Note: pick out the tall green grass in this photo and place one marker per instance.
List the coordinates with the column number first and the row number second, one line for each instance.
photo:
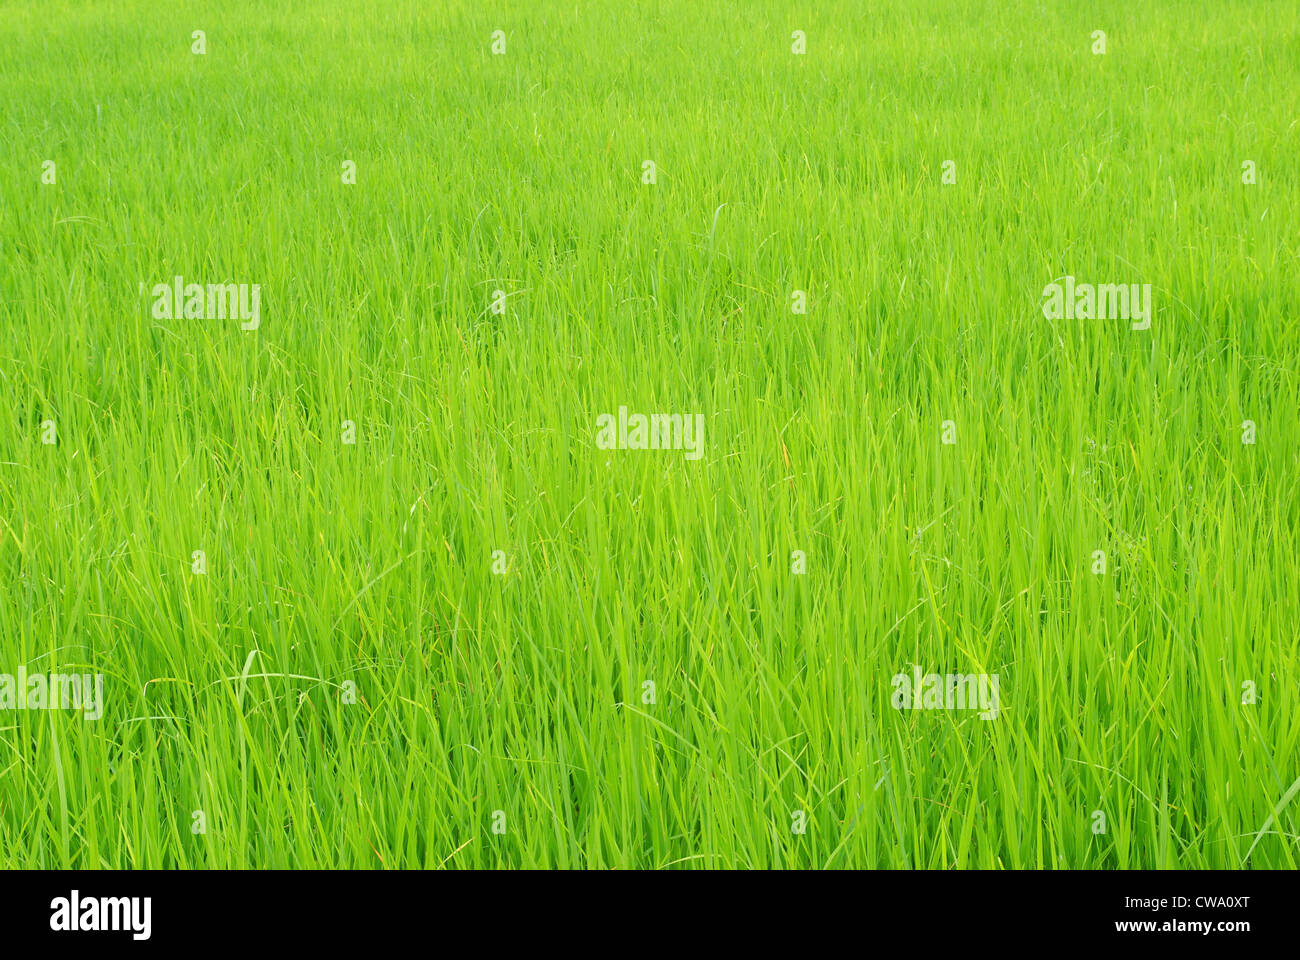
column 334, row 567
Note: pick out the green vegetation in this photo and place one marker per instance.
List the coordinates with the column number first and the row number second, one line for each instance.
column 335, row 568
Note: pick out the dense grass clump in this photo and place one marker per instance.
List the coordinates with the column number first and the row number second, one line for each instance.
column 476, row 637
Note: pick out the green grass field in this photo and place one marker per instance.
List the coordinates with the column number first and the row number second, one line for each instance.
column 346, row 678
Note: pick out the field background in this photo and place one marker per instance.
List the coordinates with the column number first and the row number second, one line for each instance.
column 371, row 563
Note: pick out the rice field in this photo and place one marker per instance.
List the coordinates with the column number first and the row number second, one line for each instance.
column 649, row 435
